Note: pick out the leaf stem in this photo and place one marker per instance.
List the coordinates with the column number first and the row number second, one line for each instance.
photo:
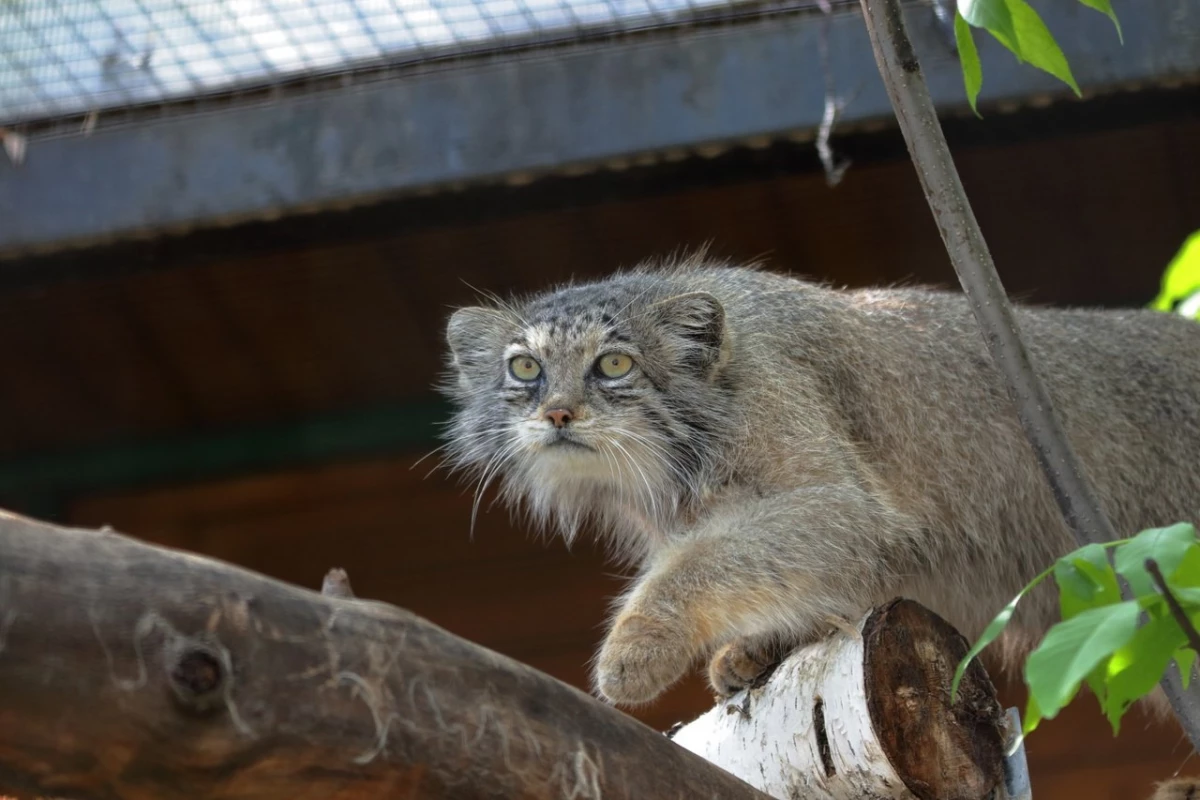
column 1172, row 603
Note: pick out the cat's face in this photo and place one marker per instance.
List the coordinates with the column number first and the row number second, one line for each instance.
column 586, row 398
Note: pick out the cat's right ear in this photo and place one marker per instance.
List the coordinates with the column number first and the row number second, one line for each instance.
column 472, row 334
column 467, row 328
column 698, row 319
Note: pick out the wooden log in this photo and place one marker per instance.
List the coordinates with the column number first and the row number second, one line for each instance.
column 134, row 672
column 864, row 714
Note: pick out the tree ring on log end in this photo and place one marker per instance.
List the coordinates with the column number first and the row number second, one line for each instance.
column 942, row 750
column 197, row 674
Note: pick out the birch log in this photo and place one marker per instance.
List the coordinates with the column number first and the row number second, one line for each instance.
column 864, row 715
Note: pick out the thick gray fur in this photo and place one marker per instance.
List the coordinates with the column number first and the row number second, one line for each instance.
column 785, row 455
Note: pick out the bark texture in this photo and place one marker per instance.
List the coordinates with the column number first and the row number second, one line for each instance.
column 136, row 672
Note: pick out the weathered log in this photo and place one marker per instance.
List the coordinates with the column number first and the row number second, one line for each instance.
column 864, row 714
column 136, row 672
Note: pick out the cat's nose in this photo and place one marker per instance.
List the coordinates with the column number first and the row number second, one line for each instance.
column 559, row 416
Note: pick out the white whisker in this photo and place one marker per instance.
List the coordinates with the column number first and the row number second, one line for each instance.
column 493, row 467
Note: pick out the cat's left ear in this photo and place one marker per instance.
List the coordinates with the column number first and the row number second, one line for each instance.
column 698, row 319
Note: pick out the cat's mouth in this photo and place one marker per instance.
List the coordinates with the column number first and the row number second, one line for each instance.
column 563, row 440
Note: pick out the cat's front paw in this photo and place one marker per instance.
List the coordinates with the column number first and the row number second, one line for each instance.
column 743, row 662
column 1177, row 789
column 640, row 659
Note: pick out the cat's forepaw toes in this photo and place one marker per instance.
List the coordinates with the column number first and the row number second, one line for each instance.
column 640, row 659
column 1177, row 789
column 739, row 664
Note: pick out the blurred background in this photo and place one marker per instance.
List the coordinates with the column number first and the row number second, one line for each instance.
column 231, row 232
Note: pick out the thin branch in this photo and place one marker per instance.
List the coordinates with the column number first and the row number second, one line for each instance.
column 906, row 87
column 1173, row 603
column 973, row 262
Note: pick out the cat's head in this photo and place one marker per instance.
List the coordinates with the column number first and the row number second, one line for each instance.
column 590, row 399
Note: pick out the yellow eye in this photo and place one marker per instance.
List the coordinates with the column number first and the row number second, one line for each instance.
column 524, row 368
column 614, row 365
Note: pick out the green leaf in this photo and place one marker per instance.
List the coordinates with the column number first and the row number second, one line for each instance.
column 1036, row 44
column 993, row 630
column 1188, row 597
column 993, row 16
column 996, row 627
column 1136, row 668
column 1185, row 659
column 1032, row 716
column 1018, row 27
column 1095, row 682
column 1187, row 574
column 968, row 56
column 1072, row 649
column 1167, row 546
column 1085, row 580
column 1105, row 7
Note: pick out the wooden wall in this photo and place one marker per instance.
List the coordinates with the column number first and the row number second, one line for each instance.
column 183, row 336
column 403, row 537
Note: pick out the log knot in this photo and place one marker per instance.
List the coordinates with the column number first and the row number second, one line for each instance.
column 197, row 675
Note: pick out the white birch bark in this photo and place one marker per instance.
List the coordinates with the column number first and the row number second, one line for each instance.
column 808, row 733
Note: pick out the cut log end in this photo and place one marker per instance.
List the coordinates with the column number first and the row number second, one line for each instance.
column 940, row 749
column 864, row 713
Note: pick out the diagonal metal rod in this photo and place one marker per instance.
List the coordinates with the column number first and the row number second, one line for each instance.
column 906, row 87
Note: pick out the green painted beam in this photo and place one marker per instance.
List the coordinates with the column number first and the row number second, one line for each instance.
column 39, row 484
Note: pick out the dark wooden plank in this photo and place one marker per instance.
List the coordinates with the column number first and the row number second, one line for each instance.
column 178, row 314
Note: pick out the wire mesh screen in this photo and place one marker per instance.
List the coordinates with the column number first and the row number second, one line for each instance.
column 66, row 58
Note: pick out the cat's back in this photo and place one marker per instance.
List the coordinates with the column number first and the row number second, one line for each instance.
column 904, row 374
column 922, row 348
column 1145, row 362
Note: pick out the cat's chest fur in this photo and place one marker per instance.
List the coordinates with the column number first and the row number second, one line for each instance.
column 646, row 532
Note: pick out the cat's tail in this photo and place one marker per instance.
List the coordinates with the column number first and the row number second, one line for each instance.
column 1178, row 789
